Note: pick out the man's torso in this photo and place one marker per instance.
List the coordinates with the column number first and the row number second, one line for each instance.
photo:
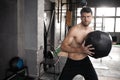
column 79, row 36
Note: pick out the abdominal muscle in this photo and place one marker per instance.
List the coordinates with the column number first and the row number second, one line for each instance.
column 77, row 56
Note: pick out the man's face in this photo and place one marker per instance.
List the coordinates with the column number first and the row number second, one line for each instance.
column 86, row 18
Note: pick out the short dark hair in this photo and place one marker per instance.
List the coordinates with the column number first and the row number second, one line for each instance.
column 86, row 9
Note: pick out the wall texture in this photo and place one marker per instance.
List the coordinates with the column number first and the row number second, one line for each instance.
column 8, row 33
column 21, row 33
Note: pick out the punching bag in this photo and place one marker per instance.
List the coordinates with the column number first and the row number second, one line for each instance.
column 101, row 41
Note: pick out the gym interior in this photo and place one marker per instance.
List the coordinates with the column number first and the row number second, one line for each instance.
column 32, row 30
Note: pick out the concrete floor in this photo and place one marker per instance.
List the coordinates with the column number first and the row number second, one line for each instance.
column 107, row 68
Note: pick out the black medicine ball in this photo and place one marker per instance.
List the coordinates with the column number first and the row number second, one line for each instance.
column 101, row 41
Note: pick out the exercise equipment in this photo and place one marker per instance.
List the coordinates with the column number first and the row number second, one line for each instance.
column 83, row 3
column 16, row 63
column 17, row 70
column 101, row 41
column 50, row 64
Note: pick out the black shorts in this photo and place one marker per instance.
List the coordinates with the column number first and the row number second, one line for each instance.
column 74, row 67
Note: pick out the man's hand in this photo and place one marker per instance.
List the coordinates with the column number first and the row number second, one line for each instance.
column 87, row 49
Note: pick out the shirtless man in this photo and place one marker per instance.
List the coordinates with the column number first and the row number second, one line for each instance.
column 78, row 61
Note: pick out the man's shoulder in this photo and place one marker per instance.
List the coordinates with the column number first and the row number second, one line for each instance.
column 77, row 25
column 73, row 29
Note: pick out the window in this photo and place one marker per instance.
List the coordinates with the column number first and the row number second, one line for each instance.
column 105, row 18
column 98, row 24
column 109, row 24
column 105, row 11
column 118, row 11
column 117, row 29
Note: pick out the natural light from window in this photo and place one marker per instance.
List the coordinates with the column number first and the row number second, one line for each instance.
column 104, row 11
column 106, row 19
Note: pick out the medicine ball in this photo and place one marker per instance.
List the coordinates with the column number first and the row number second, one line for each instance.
column 101, row 41
column 16, row 63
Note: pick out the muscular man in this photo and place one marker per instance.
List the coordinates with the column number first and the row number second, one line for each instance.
column 78, row 61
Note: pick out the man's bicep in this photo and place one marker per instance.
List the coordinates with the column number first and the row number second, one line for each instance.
column 69, row 37
column 65, row 46
column 68, row 40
